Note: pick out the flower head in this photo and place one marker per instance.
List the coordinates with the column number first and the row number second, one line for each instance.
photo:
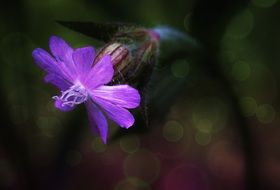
column 81, row 80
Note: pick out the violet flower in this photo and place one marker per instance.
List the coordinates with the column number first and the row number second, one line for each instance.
column 81, row 81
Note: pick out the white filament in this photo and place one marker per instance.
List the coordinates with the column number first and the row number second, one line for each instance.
column 75, row 95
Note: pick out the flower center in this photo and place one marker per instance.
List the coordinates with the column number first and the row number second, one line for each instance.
column 75, row 95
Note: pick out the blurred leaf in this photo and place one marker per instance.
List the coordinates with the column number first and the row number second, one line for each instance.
column 99, row 31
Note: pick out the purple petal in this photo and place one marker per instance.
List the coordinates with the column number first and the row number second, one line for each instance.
column 63, row 53
column 57, row 81
column 50, row 65
column 45, row 61
column 120, row 95
column 118, row 114
column 60, row 49
column 64, row 108
column 83, row 59
column 97, row 120
column 100, row 74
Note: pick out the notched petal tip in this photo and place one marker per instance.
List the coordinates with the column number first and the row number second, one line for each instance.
column 119, row 115
column 44, row 60
column 86, row 51
column 36, row 53
column 135, row 96
column 83, row 59
column 129, row 123
column 101, row 73
column 87, row 48
column 121, row 95
column 60, row 48
column 125, row 119
column 55, row 38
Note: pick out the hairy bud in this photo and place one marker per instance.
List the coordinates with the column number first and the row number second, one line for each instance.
column 120, row 56
column 133, row 54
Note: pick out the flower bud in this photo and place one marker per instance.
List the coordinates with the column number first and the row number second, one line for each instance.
column 132, row 53
column 120, row 56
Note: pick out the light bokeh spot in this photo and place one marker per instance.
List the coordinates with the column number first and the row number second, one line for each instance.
column 241, row 70
column 209, row 114
column 172, row 131
column 241, row 25
column 202, row 138
column 130, row 144
column 265, row 113
column 248, row 105
column 204, row 125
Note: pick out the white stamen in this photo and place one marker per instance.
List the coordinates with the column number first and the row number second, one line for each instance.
column 75, row 95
